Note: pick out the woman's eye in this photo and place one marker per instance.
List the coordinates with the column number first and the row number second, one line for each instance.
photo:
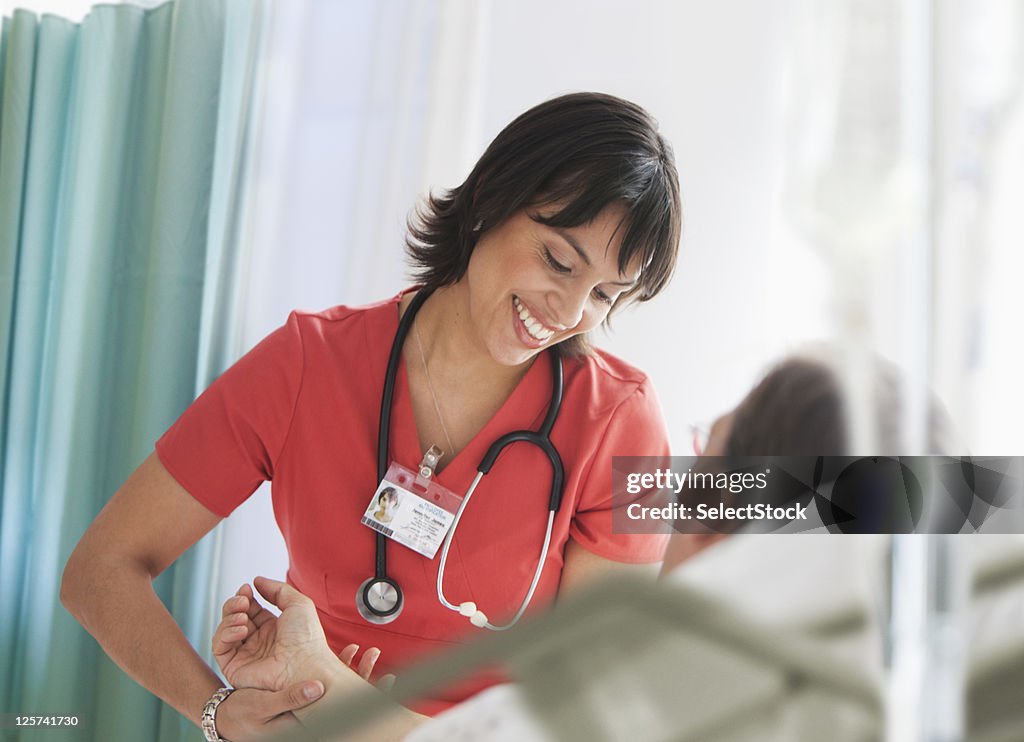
column 555, row 265
column 600, row 295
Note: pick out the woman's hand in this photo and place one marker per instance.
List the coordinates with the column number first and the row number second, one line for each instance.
column 249, row 713
column 254, row 648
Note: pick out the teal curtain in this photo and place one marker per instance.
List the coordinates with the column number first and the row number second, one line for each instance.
column 122, row 153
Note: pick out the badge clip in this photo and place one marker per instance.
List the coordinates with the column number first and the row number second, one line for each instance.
column 427, row 466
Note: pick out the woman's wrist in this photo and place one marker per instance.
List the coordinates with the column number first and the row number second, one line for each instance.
column 205, row 693
column 208, row 721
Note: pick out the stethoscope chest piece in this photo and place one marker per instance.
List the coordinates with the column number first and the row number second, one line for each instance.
column 379, row 600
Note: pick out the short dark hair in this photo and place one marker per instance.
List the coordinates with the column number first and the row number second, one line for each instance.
column 795, row 410
column 799, row 409
column 583, row 152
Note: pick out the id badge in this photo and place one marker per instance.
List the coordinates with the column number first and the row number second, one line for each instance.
column 413, row 513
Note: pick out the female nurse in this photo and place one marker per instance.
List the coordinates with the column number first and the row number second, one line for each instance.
column 797, row 409
column 572, row 212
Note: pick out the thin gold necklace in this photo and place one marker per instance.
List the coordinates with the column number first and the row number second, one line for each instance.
column 433, row 394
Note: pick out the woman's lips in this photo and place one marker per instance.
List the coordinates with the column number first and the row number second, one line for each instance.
column 530, row 330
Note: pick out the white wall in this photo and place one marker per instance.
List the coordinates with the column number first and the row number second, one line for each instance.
column 711, row 73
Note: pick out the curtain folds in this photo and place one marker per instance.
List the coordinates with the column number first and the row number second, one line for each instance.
column 122, row 152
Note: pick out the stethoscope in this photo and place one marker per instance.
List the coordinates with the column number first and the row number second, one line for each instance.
column 379, row 599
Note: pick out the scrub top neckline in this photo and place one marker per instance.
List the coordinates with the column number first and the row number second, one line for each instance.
column 520, row 410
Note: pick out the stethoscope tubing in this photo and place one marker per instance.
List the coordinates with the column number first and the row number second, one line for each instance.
column 540, row 438
column 536, row 575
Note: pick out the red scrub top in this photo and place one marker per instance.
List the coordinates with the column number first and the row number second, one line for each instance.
column 302, row 408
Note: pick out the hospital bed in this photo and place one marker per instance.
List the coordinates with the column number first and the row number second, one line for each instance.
column 688, row 659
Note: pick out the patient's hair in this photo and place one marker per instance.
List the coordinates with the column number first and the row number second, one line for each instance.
column 578, row 154
column 798, row 409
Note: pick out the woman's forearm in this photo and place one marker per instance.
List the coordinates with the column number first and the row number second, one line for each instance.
column 115, row 602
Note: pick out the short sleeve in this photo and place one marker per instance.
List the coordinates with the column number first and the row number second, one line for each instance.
column 636, row 428
column 227, row 442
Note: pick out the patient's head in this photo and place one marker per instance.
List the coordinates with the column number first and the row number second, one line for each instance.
column 798, row 409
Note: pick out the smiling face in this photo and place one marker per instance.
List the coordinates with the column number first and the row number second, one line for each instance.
column 530, row 286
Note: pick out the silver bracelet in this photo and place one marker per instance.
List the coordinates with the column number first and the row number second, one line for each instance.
column 208, row 721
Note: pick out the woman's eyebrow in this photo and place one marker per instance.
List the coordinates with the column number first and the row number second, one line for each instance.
column 575, row 245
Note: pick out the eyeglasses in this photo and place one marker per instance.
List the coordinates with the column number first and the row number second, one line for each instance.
column 699, row 437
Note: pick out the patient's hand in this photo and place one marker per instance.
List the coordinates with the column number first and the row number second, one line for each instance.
column 256, row 649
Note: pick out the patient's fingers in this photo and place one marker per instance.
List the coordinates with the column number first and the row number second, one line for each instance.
column 231, row 632
column 370, row 657
column 257, row 613
column 386, row 682
column 366, row 664
column 234, row 621
column 348, row 654
column 281, row 594
column 235, row 604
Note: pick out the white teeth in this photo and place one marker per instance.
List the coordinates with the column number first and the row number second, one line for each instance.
column 533, row 327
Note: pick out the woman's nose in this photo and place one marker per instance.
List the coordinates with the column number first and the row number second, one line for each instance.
column 570, row 307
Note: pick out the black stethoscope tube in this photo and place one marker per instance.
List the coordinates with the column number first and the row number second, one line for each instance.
column 384, row 425
column 540, row 438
